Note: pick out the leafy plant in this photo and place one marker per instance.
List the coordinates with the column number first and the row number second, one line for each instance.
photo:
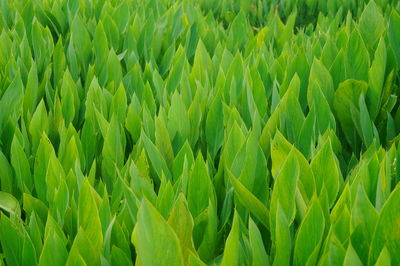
column 163, row 132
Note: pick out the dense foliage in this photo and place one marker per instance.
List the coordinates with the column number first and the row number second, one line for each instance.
column 160, row 132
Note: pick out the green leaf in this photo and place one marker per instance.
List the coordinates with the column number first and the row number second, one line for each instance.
column 351, row 257
column 386, row 232
column 283, row 241
column 384, row 258
column 81, row 41
column 323, row 177
column 100, row 44
column 321, row 76
column 372, row 24
column 376, row 78
column 259, row 254
column 20, row 163
column 82, row 252
column 357, row 57
column 119, row 104
column 253, row 204
column 185, row 153
column 10, row 204
column 394, row 34
column 31, row 91
column 283, row 193
column 232, row 246
column 11, row 100
column 175, row 74
column 347, row 100
column 88, row 217
column 200, row 188
column 155, row 241
column 182, row 222
column 365, row 122
column 214, row 126
column 363, row 218
column 54, row 251
column 39, row 124
column 310, row 235
column 156, row 159
column 6, row 174
column 43, row 153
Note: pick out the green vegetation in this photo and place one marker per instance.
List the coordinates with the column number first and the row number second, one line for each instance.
column 160, row 132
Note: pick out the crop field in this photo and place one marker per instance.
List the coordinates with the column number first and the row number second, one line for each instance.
column 199, row 132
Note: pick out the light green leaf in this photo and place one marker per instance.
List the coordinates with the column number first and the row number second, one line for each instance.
column 376, row 78
column 155, row 241
column 232, row 246
column 372, row 24
column 199, row 187
column 310, row 235
column 259, row 254
column 9, row 203
column 214, row 126
column 324, row 177
column 351, row 257
column 253, row 204
column 181, row 221
column 357, row 57
column 88, row 217
column 386, row 233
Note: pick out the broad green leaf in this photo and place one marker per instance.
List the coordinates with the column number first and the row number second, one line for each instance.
column 358, row 61
column 394, row 34
column 283, row 241
column 346, row 100
column 185, row 153
column 119, row 104
column 280, row 149
column 386, row 233
column 209, row 237
column 163, row 141
column 6, row 174
column 376, row 77
column 81, row 41
column 310, row 235
column 214, row 126
column 384, row 258
column 323, row 177
column 253, row 204
column 39, row 124
column 199, row 187
column 155, row 241
column 43, row 153
column 31, row 91
column 320, row 75
column 365, row 123
column 372, row 24
column 11, row 100
column 182, row 222
column 82, row 251
column 9, row 204
column 100, row 44
column 16, row 243
column 363, row 218
column 20, row 163
column 351, row 257
column 232, row 246
column 177, row 69
column 259, row 254
column 88, row 217
column 283, row 193
column 54, row 252
column 156, row 159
